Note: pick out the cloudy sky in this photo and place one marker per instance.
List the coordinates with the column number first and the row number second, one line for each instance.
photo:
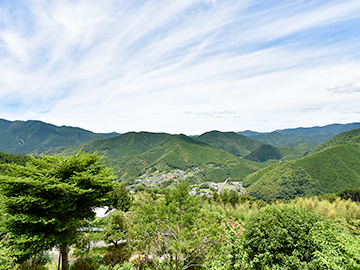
column 180, row 66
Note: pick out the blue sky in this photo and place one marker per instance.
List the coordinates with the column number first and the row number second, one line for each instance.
column 180, row 66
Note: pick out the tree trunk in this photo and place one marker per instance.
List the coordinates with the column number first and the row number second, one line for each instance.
column 64, row 256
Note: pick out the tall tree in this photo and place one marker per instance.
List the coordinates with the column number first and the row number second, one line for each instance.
column 45, row 201
column 177, row 228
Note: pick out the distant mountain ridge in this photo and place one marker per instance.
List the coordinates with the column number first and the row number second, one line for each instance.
column 21, row 137
column 296, row 136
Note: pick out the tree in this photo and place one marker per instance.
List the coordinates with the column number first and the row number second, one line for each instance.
column 350, row 193
column 46, row 201
column 115, row 228
column 280, row 237
column 120, row 197
column 176, row 228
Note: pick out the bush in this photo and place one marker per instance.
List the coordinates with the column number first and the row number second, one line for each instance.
column 116, row 255
column 280, row 237
column 204, row 186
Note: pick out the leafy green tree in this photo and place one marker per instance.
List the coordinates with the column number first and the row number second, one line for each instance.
column 120, row 197
column 115, row 224
column 233, row 198
column 280, row 237
column 46, row 201
column 176, row 228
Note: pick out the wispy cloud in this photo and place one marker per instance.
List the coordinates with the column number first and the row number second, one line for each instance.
column 309, row 109
column 80, row 62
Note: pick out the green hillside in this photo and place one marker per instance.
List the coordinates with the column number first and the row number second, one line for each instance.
column 351, row 137
column 10, row 158
column 334, row 168
column 265, row 153
column 19, row 137
column 232, row 142
column 134, row 154
column 271, row 154
column 131, row 143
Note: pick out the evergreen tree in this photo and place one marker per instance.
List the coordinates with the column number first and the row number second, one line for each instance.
column 45, row 202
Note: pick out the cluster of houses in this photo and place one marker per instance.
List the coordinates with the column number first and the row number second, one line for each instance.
column 158, row 178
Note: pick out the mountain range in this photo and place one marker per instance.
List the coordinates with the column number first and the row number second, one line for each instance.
column 295, row 136
column 281, row 164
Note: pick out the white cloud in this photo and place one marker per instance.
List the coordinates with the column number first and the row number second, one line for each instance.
column 348, row 88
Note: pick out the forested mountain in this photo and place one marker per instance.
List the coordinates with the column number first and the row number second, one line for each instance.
column 232, row 142
column 334, row 166
column 264, row 153
column 295, row 136
column 351, row 137
column 20, row 137
column 136, row 153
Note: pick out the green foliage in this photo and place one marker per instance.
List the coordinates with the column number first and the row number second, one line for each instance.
column 46, row 201
column 116, row 255
column 336, row 209
column 231, row 197
column 231, row 255
column 338, row 248
column 116, row 227
column 10, row 158
column 279, row 237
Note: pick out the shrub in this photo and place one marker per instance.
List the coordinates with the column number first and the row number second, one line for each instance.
column 116, row 255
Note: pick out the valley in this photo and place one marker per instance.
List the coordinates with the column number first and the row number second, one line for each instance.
column 282, row 164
